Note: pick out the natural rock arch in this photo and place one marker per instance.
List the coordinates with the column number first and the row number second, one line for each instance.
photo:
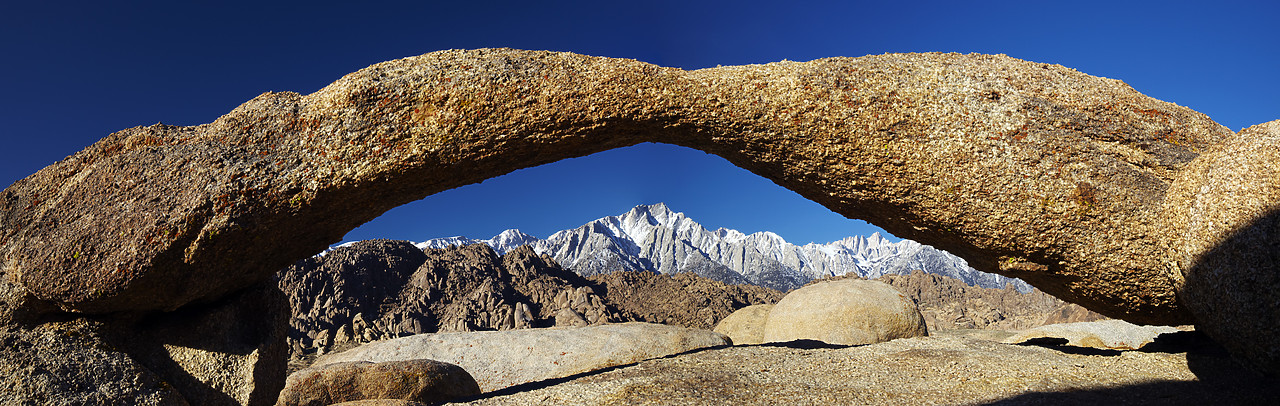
column 1029, row 170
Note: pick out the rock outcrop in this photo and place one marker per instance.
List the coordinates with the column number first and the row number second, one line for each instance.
column 1070, row 313
column 1025, row 169
column 1224, row 244
column 844, row 312
column 379, row 289
column 500, row 359
column 683, row 299
column 419, row 380
column 948, row 303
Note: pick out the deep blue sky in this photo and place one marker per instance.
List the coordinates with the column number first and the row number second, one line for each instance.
column 73, row 73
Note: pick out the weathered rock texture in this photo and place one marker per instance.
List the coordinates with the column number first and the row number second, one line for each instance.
column 684, row 299
column 420, row 380
column 844, row 312
column 935, row 370
column 948, row 303
column 380, row 289
column 71, row 363
column 1224, row 248
column 500, row 359
column 1026, row 169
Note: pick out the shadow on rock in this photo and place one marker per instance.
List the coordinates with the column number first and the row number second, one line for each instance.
column 1060, row 344
column 230, row 352
column 1222, row 380
column 532, row 386
column 1231, row 290
column 1154, row 393
column 805, row 345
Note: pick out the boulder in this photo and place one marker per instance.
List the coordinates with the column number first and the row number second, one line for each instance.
column 1104, row 334
column 418, row 380
column 1222, row 233
column 844, row 312
column 70, row 363
column 1027, row 169
column 500, row 359
column 745, row 326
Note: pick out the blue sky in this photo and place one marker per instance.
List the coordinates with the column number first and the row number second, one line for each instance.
column 73, row 73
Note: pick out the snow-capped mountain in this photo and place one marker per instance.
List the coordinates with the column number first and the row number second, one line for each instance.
column 654, row 238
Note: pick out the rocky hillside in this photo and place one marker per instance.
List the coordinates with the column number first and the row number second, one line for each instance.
column 684, row 299
column 947, row 303
column 379, row 289
column 657, row 239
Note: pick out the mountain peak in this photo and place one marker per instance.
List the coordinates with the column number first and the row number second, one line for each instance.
column 654, row 238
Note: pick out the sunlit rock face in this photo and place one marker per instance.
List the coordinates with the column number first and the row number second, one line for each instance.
column 1025, row 169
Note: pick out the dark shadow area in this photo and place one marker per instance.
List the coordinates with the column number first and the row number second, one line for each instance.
column 1232, row 289
column 1060, row 345
column 531, row 386
column 1222, row 380
column 1155, row 393
column 209, row 339
column 805, row 345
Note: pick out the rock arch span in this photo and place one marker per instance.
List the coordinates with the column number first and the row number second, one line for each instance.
column 1025, row 169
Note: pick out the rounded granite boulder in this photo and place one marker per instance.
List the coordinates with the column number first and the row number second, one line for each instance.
column 746, row 325
column 418, row 380
column 1223, row 238
column 844, row 312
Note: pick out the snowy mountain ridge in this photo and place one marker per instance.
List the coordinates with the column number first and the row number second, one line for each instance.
column 654, row 238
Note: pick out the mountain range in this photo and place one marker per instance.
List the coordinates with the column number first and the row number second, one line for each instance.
column 655, row 238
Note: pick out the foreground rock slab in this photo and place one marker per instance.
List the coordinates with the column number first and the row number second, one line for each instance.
column 923, row 370
column 419, row 380
column 844, row 312
column 500, row 359
column 1104, row 334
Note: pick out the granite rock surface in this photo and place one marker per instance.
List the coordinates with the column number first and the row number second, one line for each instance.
column 844, row 312
column 500, row 359
column 419, row 380
column 1025, row 169
column 934, row 370
column 1224, row 249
